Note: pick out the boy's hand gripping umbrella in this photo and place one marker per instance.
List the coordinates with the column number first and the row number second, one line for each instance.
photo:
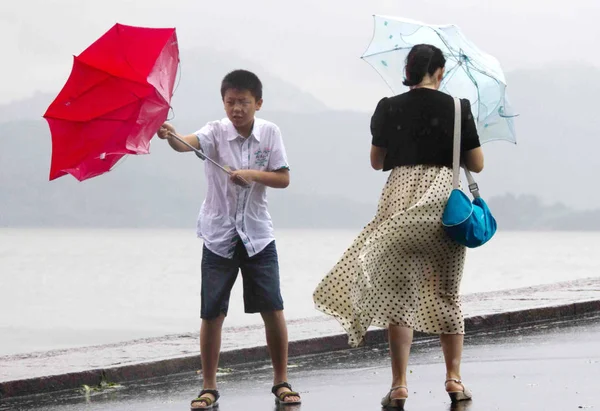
column 203, row 156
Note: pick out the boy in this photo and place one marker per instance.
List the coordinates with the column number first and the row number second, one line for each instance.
column 236, row 227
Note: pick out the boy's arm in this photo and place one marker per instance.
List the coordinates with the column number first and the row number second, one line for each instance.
column 274, row 179
column 191, row 139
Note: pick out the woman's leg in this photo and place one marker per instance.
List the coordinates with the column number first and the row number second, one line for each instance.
column 400, row 342
column 452, row 346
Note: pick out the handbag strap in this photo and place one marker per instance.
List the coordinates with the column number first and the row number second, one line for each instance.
column 456, row 163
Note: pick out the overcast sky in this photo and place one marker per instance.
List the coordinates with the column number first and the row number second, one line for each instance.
column 316, row 44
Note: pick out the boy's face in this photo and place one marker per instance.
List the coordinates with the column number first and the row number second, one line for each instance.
column 240, row 106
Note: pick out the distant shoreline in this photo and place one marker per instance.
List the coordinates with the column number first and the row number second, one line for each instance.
column 277, row 228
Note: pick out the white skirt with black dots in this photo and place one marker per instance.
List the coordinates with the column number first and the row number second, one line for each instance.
column 402, row 269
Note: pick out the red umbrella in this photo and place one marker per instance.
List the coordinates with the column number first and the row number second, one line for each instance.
column 117, row 96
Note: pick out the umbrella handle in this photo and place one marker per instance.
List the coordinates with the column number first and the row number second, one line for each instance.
column 202, row 156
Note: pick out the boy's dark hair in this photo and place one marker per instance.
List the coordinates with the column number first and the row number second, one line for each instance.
column 423, row 59
column 242, row 80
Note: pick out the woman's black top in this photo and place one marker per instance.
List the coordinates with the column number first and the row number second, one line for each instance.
column 417, row 127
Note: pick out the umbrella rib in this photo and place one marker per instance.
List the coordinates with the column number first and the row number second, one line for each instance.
column 124, row 54
column 364, row 56
column 485, row 73
column 467, row 70
column 381, row 75
column 92, row 88
column 459, row 60
column 452, row 72
column 498, row 106
column 395, row 48
column 372, row 37
column 460, row 64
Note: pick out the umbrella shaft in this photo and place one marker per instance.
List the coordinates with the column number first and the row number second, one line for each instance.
column 199, row 153
column 202, row 156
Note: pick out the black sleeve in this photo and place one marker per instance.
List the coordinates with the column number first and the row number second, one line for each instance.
column 378, row 124
column 469, row 138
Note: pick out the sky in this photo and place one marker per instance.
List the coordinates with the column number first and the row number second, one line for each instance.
column 314, row 44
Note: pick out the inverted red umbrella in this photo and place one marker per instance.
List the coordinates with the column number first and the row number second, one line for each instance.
column 117, row 96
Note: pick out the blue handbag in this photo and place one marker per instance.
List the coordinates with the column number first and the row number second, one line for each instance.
column 468, row 223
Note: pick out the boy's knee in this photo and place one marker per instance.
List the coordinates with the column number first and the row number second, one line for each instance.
column 272, row 315
column 214, row 321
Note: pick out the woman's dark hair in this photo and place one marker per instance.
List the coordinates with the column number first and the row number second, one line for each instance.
column 242, row 80
column 421, row 60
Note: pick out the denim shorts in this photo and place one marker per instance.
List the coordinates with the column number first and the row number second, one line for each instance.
column 260, row 275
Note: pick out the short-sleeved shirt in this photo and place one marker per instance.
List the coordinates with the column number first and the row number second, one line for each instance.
column 417, row 127
column 229, row 212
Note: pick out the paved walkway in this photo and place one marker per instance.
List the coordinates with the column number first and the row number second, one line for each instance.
column 184, row 347
column 547, row 367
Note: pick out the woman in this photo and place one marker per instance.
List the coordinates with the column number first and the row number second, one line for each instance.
column 403, row 272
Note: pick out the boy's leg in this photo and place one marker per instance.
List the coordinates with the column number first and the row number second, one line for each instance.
column 210, row 348
column 262, row 295
column 277, row 342
column 218, row 277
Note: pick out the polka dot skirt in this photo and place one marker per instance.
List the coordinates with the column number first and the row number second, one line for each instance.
column 402, row 269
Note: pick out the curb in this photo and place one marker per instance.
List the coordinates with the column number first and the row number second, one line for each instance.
column 476, row 324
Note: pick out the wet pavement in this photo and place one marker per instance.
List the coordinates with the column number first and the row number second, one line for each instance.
column 152, row 350
column 544, row 367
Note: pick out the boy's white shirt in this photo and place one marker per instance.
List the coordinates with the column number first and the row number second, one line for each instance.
column 230, row 211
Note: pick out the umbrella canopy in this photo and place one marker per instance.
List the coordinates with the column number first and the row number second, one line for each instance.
column 117, row 96
column 470, row 72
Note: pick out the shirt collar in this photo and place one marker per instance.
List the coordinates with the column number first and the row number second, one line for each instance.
column 232, row 133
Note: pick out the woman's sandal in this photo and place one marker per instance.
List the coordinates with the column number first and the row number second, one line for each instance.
column 210, row 403
column 456, row 396
column 280, row 399
column 394, row 403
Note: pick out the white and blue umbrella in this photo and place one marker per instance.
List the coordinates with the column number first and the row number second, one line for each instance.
column 470, row 72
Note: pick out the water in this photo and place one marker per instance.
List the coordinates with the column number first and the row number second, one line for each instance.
column 67, row 288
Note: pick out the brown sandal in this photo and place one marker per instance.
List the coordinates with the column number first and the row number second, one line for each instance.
column 280, row 399
column 210, row 403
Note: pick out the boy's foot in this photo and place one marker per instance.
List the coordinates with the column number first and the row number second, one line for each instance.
column 207, row 399
column 284, row 394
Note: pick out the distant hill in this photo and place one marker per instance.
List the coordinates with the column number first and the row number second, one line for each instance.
column 332, row 183
column 556, row 157
column 198, row 91
column 527, row 212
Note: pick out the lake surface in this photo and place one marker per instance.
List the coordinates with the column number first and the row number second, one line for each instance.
column 66, row 287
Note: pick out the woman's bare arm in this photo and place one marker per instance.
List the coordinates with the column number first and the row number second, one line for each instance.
column 377, row 157
column 473, row 160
